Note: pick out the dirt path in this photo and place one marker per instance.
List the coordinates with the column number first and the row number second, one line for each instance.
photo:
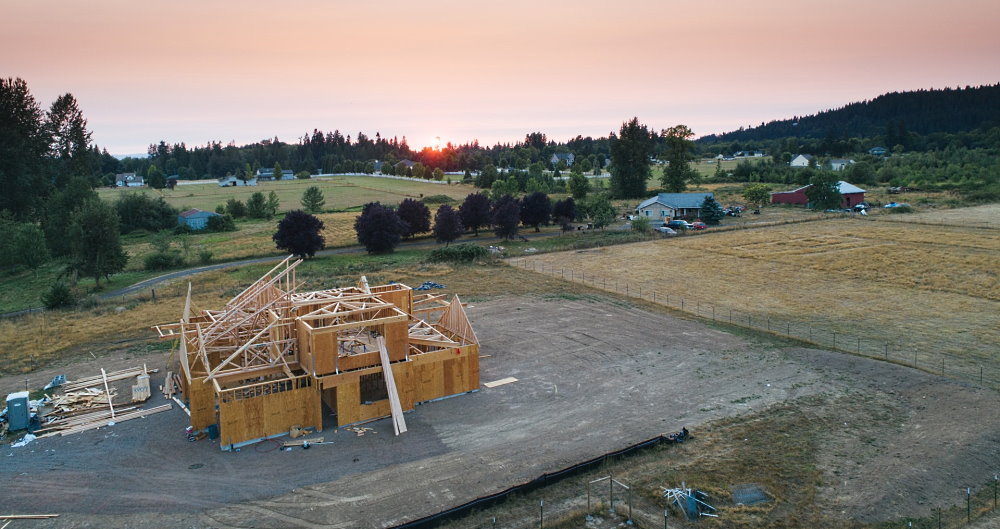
column 594, row 374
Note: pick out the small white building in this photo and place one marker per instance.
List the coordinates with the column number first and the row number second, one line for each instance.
column 129, row 180
column 801, row 160
column 840, row 165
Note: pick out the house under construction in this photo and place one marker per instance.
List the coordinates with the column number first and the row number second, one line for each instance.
column 273, row 357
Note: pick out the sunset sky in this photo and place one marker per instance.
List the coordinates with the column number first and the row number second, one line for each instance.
column 195, row 71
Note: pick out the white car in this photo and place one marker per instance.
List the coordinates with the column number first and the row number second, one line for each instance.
column 666, row 231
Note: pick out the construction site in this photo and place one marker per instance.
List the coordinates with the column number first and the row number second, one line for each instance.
column 273, row 359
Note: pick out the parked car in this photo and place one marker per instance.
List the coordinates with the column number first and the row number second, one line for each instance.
column 667, row 232
column 698, row 225
column 679, row 224
column 895, row 205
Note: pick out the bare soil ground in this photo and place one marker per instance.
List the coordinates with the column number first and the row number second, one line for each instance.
column 595, row 373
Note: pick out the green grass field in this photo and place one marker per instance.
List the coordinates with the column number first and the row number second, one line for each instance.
column 341, row 192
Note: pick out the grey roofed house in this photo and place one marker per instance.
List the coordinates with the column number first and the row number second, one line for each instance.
column 129, row 180
column 267, row 173
column 839, row 164
column 567, row 157
column 196, row 219
column 672, row 205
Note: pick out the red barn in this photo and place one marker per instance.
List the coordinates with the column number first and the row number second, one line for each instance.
column 853, row 195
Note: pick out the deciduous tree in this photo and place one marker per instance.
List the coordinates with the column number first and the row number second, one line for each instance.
column 475, row 212
column 299, row 233
column 379, row 228
column 678, row 171
column 95, row 244
column 416, row 215
column 824, row 193
column 447, row 224
column 506, row 217
column 536, row 209
column 757, row 194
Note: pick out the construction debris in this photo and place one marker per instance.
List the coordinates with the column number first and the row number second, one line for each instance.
column 304, row 443
column 427, row 285
column 27, row 516
column 360, row 430
column 690, row 502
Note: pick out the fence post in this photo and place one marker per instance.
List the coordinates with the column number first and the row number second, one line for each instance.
column 968, row 505
column 886, row 351
column 541, row 514
column 769, row 324
column 682, row 303
column 611, row 492
column 713, row 312
column 834, row 340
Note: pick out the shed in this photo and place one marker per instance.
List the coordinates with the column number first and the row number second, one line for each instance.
column 195, row 219
column 853, row 195
column 227, row 181
column 665, row 206
column 801, row 160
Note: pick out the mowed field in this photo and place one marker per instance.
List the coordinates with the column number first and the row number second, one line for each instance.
column 341, row 192
column 919, row 287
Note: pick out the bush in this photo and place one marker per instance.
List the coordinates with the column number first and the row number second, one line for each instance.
column 901, row 209
column 641, row 225
column 137, row 211
column 59, row 296
column 223, row 223
column 303, row 175
column 438, row 199
column 236, row 208
column 460, row 253
column 205, row 257
column 163, row 261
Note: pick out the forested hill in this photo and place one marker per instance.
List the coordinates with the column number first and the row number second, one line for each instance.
column 893, row 114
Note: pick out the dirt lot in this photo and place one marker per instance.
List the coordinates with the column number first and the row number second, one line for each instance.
column 594, row 374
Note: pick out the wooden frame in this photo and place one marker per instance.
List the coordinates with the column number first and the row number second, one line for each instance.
column 272, row 357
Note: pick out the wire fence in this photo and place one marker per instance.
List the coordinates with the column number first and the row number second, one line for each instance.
column 608, row 502
column 936, row 362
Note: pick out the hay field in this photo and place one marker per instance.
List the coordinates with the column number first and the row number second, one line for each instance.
column 922, row 288
column 341, row 192
column 252, row 239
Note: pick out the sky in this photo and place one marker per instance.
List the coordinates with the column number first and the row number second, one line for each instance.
column 225, row 70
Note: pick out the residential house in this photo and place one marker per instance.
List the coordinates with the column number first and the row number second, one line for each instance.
column 669, row 206
column 840, row 165
column 231, row 180
column 567, row 157
column 878, row 151
column 853, row 195
column 129, row 180
column 801, row 160
column 195, row 219
column 267, row 173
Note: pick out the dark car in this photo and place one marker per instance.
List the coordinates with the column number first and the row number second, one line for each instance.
column 679, row 225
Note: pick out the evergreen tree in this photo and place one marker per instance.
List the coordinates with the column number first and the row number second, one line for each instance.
column 447, row 225
column 236, row 208
column 22, row 150
column 475, row 212
column 711, row 211
column 276, row 175
column 70, row 141
column 60, row 208
column 416, row 215
column 536, row 209
column 299, row 233
column 273, row 204
column 312, row 200
column 630, row 153
column 95, row 245
column 257, row 206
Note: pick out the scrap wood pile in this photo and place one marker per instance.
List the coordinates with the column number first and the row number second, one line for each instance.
column 90, row 403
column 690, row 502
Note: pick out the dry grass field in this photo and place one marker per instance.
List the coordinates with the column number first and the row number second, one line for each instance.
column 252, row 239
column 921, row 288
column 341, row 192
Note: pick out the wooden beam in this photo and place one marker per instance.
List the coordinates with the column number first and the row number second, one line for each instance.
column 398, row 422
column 401, row 316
